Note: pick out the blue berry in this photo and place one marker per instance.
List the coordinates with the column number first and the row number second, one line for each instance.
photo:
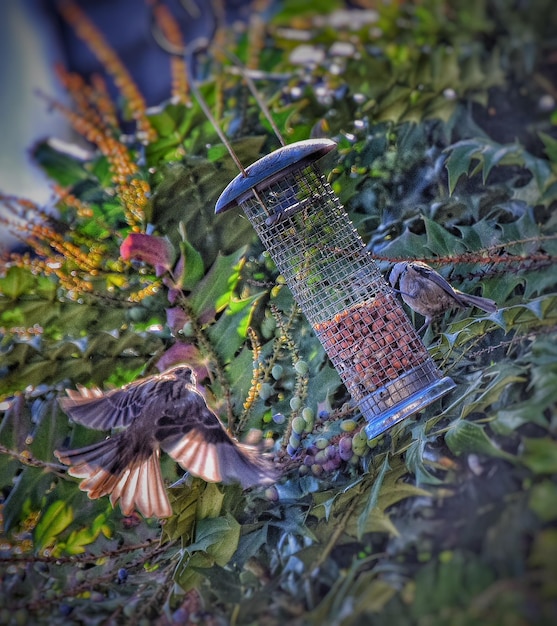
column 122, row 575
column 291, row 450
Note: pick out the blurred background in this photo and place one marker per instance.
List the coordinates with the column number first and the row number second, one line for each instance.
column 33, row 38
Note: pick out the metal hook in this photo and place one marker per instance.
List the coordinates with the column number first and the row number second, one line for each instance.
column 188, row 53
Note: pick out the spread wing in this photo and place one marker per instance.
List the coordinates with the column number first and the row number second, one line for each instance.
column 196, row 439
column 100, row 410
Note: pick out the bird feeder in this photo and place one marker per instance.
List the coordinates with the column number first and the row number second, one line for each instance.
column 353, row 311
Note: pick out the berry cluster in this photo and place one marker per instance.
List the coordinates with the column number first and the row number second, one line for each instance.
column 325, row 455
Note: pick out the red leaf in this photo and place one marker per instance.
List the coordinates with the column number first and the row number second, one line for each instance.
column 156, row 251
column 176, row 318
column 181, row 352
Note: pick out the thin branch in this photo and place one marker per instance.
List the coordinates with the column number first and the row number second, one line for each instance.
column 26, row 458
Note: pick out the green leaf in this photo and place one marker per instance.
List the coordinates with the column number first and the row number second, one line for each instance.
column 414, row 458
column 459, row 160
column 59, row 165
column 544, row 552
column 439, row 241
column 373, row 497
column 543, row 500
column 194, row 268
column 79, row 539
column 550, row 144
column 213, row 293
column 218, row 537
column 17, row 282
column 467, row 437
column 58, row 516
column 230, row 331
column 210, row 501
column 540, row 455
column 184, row 501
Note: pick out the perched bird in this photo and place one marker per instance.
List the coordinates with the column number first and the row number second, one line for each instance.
column 429, row 294
column 167, row 412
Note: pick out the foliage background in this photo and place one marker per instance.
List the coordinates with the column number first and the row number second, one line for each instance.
column 444, row 114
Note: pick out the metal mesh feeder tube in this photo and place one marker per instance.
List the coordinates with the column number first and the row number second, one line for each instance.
column 353, row 311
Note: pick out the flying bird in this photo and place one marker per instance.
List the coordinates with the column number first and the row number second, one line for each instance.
column 162, row 412
column 425, row 291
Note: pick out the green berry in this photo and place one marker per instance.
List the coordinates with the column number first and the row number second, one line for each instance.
column 265, row 391
column 359, row 447
column 271, row 493
column 348, row 425
column 294, row 441
column 295, row 403
column 321, row 443
column 316, row 469
column 361, row 437
column 308, row 414
column 277, row 372
column 301, row 367
column 187, row 329
column 298, row 425
column 321, row 456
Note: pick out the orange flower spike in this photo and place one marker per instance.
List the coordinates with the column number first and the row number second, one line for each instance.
column 104, row 102
column 81, row 126
column 171, row 30
column 256, row 34
column 89, row 33
column 83, row 210
column 147, row 291
column 82, row 95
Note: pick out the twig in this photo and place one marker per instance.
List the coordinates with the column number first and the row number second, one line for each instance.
column 27, row 459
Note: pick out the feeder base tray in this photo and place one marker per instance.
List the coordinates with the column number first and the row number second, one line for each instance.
column 416, row 402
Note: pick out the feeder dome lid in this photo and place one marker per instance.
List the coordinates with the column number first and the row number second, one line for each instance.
column 295, row 155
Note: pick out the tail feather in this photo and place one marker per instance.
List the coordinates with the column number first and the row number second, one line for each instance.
column 136, row 485
column 85, row 461
column 485, row 304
